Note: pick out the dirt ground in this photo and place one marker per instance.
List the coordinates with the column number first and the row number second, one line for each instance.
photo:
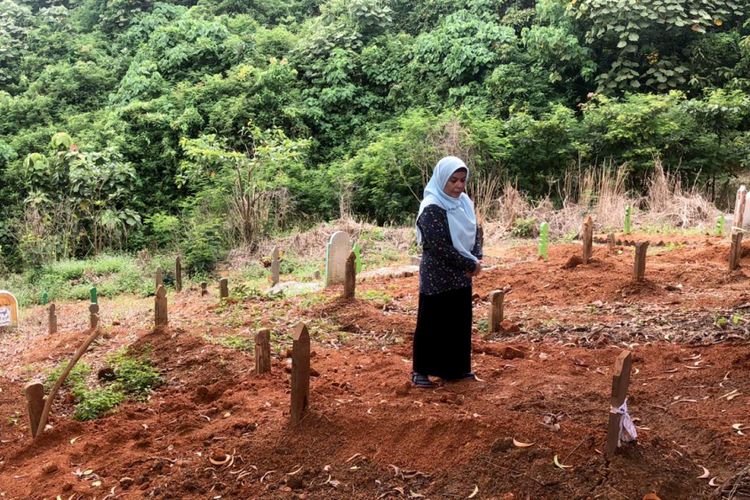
column 368, row 433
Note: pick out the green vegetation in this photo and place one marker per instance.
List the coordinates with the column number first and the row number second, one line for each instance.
column 199, row 126
column 236, row 342
column 131, row 377
column 73, row 279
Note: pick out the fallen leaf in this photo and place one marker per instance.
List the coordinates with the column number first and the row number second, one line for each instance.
column 556, row 461
column 520, row 444
column 474, row 493
column 706, row 474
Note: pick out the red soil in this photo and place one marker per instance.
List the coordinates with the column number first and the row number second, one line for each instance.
column 368, row 434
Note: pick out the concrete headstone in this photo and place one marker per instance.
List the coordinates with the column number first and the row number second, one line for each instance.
column 8, row 310
column 338, row 250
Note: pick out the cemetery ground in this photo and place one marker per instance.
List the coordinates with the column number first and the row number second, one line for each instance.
column 214, row 428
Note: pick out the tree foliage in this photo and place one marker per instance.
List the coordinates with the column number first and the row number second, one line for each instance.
column 199, row 125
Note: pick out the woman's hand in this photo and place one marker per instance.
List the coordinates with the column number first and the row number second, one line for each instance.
column 476, row 271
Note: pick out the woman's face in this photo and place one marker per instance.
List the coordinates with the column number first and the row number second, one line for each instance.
column 456, row 183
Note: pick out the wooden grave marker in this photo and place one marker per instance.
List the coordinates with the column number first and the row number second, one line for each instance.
column 35, row 405
column 51, row 319
column 275, row 266
column 178, row 274
column 639, row 266
column 8, row 310
column 223, row 288
column 350, row 276
column 263, row 351
column 611, row 243
column 204, row 288
column 620, row 382
column 94, row 316
column 161, row 318
column 735, row 251
column 587, row 235
column 159, row 278
column 300, row 373
column 497, row 300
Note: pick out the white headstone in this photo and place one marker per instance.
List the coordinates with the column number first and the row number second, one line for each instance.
column 338, row 250
column 8, row 309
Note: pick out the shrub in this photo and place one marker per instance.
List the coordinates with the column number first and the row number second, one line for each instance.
column 524, row 228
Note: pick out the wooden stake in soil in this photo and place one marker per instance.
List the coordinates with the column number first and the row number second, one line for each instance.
column 275, row 266
column 263, row 351
column 178, row 274
column 52, row 319
column 300, row 372
column 739, row 209
column 587, row 235
column 61, row 380
column 620, row 382
column 350, row 276
column 94, row 316
column 161, row 318
column 159, row 277
column 639, row 267
column 611, row 243
column 35, row 404
column 497, row 299
column 735, row 251
column 204, row 288
column 223, row 288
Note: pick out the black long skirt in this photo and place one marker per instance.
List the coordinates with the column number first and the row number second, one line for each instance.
column 442, row 340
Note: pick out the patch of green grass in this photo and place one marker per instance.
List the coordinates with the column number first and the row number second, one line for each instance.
column 76, row 380
column 379, row 297
column 136, row 376
column 97, row 402
column 236, row 342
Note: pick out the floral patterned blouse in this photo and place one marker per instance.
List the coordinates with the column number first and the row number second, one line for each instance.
column 442, row 267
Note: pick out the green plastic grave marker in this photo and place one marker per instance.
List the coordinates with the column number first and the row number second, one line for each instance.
column 357, row 258
column 45, row 299
column 544, row 240
column 628, row 211
column 93, row 295
column 720, row 225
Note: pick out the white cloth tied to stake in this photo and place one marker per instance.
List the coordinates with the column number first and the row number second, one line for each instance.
column 627, row 428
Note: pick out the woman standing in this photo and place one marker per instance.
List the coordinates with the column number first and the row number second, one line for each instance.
column 451, row 253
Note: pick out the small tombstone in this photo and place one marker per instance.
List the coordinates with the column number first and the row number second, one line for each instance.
column 350, row 277
column 161, row 318
column 52, row 319
column 338, row 250
column 275, row 266
column 35, row 405
column 497, row 299
column 92, row 293
column 204, row 288
column 639, row 266
column 94, row 316
column 739, row 209
column 44, row 300
column 178, row 274
column 611, row 242
column 8, row 310
column 159, row 278
column 263, row 351
column 735, row 251
column 620, row 428
column 300, row 372
column 628, row 219
column 223, row 288
column 587, row 234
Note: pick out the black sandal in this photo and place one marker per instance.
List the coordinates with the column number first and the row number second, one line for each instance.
column 422, row 381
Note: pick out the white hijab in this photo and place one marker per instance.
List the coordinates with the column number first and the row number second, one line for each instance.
column 461, row 219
